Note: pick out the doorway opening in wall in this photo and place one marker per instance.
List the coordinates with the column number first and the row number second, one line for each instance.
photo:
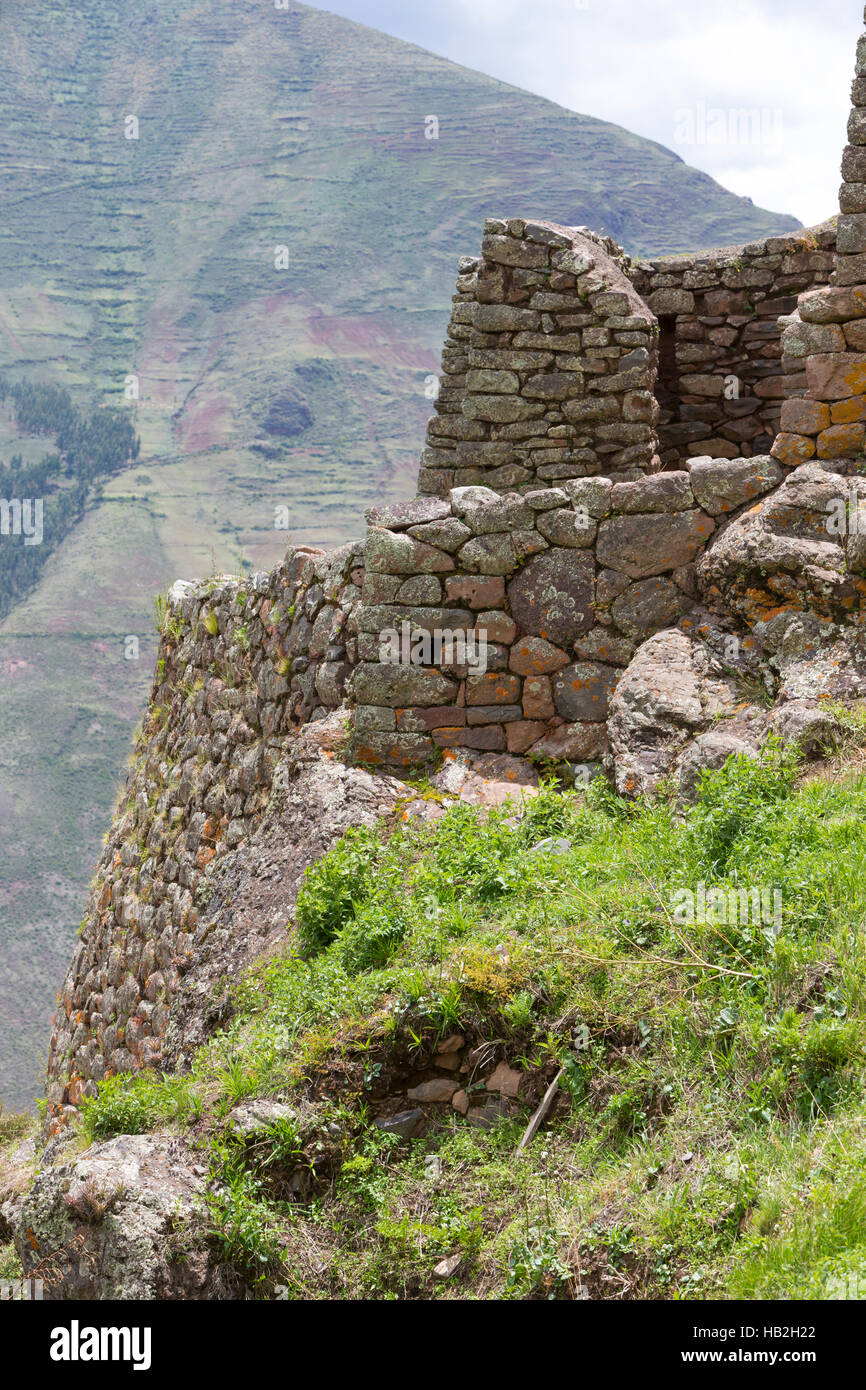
column 668, row 391
column 667, row 382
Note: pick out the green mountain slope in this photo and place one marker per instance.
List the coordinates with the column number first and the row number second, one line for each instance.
column 259, row 386
column 260, row 128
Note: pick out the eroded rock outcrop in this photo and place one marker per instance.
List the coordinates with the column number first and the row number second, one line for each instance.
column 678, row 709
column 248, row 901
column 783, row 554
column 110, row 1223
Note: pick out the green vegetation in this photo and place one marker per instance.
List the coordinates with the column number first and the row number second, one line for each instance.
column 129, row 1105
column 708, row 1135
column 89, row 447
column 13, row 1128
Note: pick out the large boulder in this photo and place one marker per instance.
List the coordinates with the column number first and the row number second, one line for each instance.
column 120, row 1221
column 689, row 700
column 786, row 554
column 811, row 726
column 674, row 692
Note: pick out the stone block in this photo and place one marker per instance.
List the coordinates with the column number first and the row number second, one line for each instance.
column 641, row 546
column 721, row 485
column 581, row 691
column 841, row 441
column 396, row 686
column 493, row 688
column 538, row 698
column 836, row 376
column 489, row 738
column 566, row 527
column 391, row 750
column 420, row 588
column 533, row 656
column 497, row 626
column 803, row 417
column 393, row 552
column 663, row 492
column 793, row 449
column 834, row 304
column 506, row 318
column 402, row 515
column 648, row 606
column 488, row 555
column 480, row 593
column 552, row 596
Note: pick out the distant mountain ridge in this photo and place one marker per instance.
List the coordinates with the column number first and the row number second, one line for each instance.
column 158, row 151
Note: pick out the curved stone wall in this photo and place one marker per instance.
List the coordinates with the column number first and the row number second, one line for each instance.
column 241, row 665
column 548, row 366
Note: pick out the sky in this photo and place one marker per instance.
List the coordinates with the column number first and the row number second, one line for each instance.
column 754, row 92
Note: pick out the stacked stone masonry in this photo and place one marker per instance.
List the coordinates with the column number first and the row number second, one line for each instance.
column 826, row 336
column 722, row 376
column 565, row 359
column 548, row 366
column 241, row 665
column 560, row 584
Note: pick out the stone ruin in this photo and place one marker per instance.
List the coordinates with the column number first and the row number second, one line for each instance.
column 627, row 493
column 590, row 437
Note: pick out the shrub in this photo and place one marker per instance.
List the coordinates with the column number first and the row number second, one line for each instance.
column 334, row 886
column 135, row 1104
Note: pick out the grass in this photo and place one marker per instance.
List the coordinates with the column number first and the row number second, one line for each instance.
column 13, row 1129
column 707, row 1141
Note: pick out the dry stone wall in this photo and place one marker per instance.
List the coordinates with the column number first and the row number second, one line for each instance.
column 554, row 532
column 565, row 359
column 241, row 665
column 825, row 418
column 503, row 622
column 548, row 366
column 722, row 376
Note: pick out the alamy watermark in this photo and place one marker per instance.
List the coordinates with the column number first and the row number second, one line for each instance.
column 22, row 517
column 77, row 1343
column 728, row 907
column 438, row 647
column 21, row 1290
column 728, row 125
column 846, row 515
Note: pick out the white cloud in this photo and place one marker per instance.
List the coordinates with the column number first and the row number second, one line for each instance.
column 639, row 64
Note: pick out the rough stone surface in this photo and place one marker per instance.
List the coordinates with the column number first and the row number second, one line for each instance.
column 672, row 692
column 781, row 555
column 640, row 546
column 552, row 596
column 100, row 1225
column 722, row 485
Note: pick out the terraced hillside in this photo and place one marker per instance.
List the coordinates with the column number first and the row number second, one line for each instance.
column 264, row 378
